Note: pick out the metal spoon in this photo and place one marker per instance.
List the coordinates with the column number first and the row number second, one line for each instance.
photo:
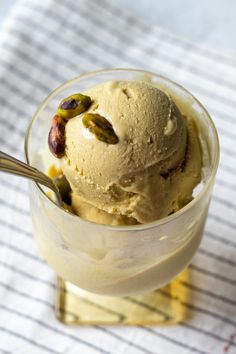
column 11, row 165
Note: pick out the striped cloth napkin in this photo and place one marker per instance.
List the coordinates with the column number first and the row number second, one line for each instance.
column 42, row 44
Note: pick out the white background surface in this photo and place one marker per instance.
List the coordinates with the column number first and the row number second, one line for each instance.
column 211, row 22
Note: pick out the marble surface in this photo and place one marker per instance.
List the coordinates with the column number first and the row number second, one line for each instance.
column 209, row 22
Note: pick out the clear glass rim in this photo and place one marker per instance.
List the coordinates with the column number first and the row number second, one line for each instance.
column 138, row 227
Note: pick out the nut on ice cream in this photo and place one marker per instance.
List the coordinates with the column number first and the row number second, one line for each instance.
column 129, row 154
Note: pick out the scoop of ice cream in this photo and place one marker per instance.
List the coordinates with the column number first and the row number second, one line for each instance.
column 149, row 173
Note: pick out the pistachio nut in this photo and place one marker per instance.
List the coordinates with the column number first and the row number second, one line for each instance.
column 56, row 137
column 73, row 105
column 64, row 188
column 100, row 127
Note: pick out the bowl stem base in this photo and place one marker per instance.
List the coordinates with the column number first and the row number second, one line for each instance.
column 75, row 306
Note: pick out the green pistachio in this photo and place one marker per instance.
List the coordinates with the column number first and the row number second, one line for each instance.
column 100, row 127
column 73, row 105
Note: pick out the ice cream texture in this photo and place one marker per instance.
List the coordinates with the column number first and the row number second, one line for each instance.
column 149, row 173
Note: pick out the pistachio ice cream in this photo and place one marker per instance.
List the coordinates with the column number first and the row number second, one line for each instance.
column 132, row 153
column 131, row 156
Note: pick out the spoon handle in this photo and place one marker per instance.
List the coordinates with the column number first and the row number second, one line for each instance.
column 11, row 165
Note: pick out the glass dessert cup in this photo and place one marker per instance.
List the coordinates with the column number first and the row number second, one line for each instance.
column 110, row 274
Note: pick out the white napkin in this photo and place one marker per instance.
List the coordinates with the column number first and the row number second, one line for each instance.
column 42, row 44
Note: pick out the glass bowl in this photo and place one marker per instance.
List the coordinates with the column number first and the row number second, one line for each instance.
column 118, row 260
